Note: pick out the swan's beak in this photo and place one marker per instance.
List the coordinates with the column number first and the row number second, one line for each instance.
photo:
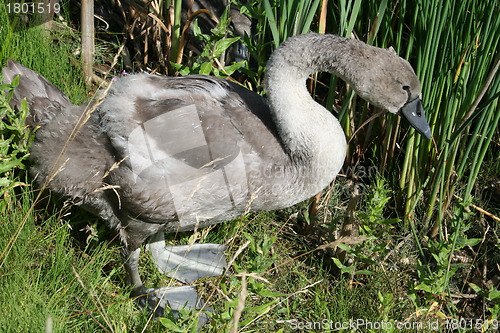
column 414, row 112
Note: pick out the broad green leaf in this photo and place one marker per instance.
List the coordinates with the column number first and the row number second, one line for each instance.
column 170, row 325
column 343, row 268
column 269, row 293
column 222, row 45
column 472, row 241
column 229, row 70
column 494, row 294
column 390, row 221
column 424, row 287
column 182, row 69
column 206, row 68
column 263, row 308
column 9, row 165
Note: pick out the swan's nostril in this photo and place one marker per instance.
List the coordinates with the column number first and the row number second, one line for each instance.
column 420, row 108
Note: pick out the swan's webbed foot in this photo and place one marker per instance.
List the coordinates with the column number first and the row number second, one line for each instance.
column 176, row 298
column 184, row 263
column 187, row 263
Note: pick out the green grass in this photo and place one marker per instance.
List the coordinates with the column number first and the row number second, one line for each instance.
column 47, row 272
column 36, row 50
column 44, row 275
column 53, row 270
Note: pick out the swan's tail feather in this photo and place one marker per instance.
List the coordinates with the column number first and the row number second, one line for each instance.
column 44, row 99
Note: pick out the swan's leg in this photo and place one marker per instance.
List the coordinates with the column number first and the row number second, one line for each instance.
column 187, row 263
column 156, row 299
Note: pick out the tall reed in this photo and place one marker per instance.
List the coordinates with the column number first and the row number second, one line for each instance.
column 453, row 46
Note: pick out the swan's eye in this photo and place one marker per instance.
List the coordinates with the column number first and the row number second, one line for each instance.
column 408, row 92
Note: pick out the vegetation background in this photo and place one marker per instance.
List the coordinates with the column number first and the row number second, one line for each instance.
column 408, row 234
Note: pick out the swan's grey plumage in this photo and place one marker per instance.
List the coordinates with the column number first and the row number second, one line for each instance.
column 183, row 153
column 217, row 152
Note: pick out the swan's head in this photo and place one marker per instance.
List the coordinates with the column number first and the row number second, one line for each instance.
column 389, row 82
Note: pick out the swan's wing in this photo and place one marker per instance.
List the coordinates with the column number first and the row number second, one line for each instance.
column 188, row 145
column 44, row 99
column 149, row 117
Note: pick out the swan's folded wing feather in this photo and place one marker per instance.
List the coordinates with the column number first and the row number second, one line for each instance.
column 159, row 120
column 185, row 146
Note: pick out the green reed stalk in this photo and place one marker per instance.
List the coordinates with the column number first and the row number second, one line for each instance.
column 289, row 18
column 471, row 40
column 176, row 27
column 451, row 45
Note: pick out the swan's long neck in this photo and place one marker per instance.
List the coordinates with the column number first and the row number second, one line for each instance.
column 306, row 128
